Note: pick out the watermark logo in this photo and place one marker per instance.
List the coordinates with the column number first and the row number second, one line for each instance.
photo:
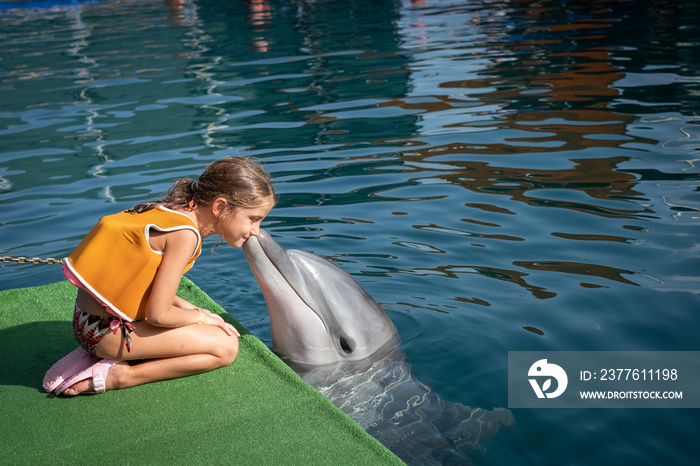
column 546, row 371
column 604, row 379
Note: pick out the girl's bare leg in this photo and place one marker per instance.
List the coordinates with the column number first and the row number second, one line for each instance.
column 167, row 353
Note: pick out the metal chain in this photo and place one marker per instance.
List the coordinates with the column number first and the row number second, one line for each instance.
column 33, row 260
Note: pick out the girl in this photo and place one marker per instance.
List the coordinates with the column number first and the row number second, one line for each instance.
column 131, row 326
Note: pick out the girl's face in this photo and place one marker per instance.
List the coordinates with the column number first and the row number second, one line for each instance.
column 236, row 228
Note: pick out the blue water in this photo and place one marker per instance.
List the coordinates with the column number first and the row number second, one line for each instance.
column 499, row 175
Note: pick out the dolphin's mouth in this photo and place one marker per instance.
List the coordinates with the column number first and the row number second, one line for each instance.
column 280, row 260
column 277, row 256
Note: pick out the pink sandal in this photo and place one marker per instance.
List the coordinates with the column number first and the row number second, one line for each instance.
column 73, row 363
column 97, row 372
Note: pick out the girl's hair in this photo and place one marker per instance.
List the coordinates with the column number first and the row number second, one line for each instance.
column 243, row 182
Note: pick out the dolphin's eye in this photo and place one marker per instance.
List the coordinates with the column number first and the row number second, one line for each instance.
column 346, row 346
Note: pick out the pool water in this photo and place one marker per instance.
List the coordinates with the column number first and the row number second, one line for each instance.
column 499, row 175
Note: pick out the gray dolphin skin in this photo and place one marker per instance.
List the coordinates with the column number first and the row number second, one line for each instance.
column 334, row 335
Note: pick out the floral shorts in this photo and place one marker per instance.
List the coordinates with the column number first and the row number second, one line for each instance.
column 90, row 329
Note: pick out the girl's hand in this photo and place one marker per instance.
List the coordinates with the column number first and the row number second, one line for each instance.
column 216, row 320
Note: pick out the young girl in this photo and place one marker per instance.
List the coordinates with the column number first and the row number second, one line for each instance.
column 131, row 326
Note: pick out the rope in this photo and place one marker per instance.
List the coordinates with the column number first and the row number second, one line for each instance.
column 33, row 260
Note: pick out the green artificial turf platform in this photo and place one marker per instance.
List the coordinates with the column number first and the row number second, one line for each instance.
column 255, row 412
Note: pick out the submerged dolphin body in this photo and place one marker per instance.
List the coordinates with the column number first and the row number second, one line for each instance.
column 333, row 334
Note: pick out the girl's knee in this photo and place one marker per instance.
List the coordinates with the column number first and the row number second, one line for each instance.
column 227, row 350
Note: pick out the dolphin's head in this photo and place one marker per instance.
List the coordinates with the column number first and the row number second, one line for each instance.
column 319, row 314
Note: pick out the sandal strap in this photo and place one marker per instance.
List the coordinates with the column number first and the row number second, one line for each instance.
column 98, row 382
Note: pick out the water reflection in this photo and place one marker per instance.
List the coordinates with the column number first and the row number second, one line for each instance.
column 597, row 179
column 349, row 107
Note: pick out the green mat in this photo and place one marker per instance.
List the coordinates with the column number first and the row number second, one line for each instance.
column 256, row 411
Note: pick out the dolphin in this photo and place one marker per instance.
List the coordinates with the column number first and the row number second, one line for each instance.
column 336, row 337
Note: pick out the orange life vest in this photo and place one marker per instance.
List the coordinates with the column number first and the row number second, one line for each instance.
column 115, row 262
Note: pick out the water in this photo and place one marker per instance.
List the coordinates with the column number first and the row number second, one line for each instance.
column 499, row 175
